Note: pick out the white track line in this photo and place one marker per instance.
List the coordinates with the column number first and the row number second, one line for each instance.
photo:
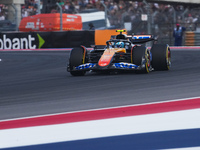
column 189, row 148
column 172, row 100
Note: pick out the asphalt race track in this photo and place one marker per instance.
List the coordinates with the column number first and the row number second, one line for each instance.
column 36, row 83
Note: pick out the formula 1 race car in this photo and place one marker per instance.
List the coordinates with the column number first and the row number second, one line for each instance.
column 121, row 52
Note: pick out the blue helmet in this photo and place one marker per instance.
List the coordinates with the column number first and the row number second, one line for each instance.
column 119, row 44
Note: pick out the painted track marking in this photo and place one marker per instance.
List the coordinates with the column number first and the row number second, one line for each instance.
column 106, row 113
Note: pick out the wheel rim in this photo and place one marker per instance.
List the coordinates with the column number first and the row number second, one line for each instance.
column 148, row 61
column 168, row 58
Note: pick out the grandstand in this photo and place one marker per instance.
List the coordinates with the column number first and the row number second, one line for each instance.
column 193, row 3
column 175, row 1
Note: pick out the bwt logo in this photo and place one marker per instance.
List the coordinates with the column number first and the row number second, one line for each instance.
column 20, row 43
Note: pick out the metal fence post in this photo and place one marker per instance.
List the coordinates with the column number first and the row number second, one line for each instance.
column 16, row 21
column 149, row 21
column 174, row 16
column 149, row 17
column 39, row 11
column 106, row 13
column 61, row 22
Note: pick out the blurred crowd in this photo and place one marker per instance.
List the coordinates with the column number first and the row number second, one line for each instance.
column 129, row 11
column 3, row 12
column 118, row 11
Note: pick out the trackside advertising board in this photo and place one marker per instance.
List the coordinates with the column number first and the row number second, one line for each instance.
column 37, row 40
column 17, row 41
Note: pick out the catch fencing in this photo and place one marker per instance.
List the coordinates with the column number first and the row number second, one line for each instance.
column 164, row 32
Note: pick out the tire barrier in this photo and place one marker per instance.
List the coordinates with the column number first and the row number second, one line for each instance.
column 189, row 38
column 192, row 38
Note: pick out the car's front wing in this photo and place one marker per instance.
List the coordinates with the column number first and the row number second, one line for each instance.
column 112, row 66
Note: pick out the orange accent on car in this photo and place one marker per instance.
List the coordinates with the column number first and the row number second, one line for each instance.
column 84, row 53
column 108, row 55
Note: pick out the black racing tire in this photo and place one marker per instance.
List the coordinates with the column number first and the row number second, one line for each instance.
column 161, row 57
column 138, row 53
column 77, row 57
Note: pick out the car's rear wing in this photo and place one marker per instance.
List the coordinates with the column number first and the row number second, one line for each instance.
column 135, row 39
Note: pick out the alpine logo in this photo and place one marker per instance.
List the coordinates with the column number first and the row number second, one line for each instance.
column 125, row 66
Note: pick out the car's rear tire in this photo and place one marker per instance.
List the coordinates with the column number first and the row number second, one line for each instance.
column 139, row 53
column 77, row 57
column 161, row 57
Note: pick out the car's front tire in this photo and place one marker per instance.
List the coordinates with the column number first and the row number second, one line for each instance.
column 77, row 57
column 141, row 57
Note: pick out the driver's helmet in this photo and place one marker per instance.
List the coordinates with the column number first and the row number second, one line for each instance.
column 119, row 45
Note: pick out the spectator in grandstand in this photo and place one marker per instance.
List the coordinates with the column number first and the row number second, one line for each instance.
column 178, row 35
column 61, row 3
column 2, row 17
column 91, row 26
column 82, row 4
column 54, row 10
column 76, row 6
column 90, row 4
column 24, row 13
column 1, row 8
column 69, row 7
